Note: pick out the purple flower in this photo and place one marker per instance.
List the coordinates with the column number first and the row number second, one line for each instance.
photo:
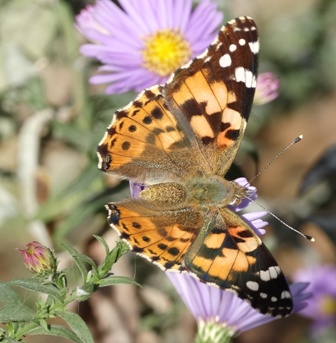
column 38, row 259
column 267, row 88
column 322, row 305
column 141, row 43
column 210, row 305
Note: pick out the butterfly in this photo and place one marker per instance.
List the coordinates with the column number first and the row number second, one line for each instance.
column 180, row 139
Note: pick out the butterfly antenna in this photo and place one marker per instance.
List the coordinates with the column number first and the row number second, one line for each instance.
column 296, row 140
column 310, row 238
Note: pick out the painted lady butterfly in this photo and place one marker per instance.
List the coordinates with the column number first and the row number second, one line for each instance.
column 180, row 139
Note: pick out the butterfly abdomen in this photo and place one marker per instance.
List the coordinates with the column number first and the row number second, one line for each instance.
column 168, row 194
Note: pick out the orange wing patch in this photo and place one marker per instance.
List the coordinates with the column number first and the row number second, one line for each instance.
column 145, row 138
column 143, row 123
column 161, row 236
column 231, row 129
column 222, row 250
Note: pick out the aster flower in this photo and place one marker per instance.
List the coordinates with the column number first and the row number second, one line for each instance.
column 38, row 259
column 220, row 314
column 322, row 305
column 140, row 43
column 267, row 88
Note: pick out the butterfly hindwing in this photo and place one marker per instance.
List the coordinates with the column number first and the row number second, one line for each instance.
column 162, row 236
column 230, row 255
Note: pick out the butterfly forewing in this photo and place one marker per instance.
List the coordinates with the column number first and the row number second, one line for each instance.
column 145, row 142
column 214, row 93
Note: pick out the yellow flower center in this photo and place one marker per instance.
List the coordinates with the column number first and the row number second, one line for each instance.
column 165, row 51
column 328, row 305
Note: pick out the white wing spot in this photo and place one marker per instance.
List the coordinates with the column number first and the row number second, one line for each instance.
column 246, row 29
column 254, row 46
column 265, row 275
column 252, row 285
column 225, row 61
column 285, row 295
column 263, row 295
column 233, row 47
column 274, row 299
column 246, row 76
column 242, row 41
column 274, row 271
column 270, row 273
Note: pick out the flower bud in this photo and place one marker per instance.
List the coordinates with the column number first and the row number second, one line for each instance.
column 38, row 259
column 267, row 88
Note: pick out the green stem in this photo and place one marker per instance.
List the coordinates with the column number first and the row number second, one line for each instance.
column 23, row 329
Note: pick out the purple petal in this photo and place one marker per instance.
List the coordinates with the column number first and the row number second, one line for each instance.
column 209, row 303
column 321, row 306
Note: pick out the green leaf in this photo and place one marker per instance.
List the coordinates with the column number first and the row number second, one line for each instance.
column 78, row 326
column 36, row 285
column 13, row 308
column 75, row 254
column 55, row 330
column 43, row 323
column 8, row 297
column 115, row 280
column 120, row 249
column 16, row 314
column 79, row 262
column 20, row 313
column 103, row 242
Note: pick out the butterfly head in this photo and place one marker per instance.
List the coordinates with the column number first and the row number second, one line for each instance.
column 241, row 194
